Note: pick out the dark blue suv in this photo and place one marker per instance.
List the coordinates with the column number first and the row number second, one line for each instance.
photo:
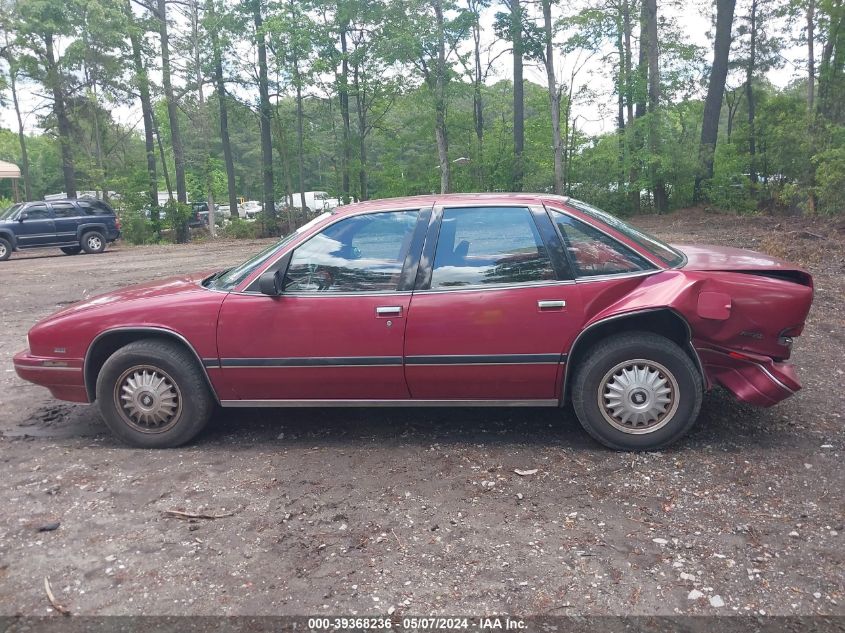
column 71, row 225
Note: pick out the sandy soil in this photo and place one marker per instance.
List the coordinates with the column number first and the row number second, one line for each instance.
column 361, row 511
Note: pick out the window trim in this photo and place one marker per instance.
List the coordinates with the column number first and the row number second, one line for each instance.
column 588, row 278
column 250, row 285
column 426, row 269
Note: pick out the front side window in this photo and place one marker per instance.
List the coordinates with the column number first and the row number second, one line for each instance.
column 593, row 253
column 494, row 245
column 37, row 212
column 363, row 253
column 64, row 210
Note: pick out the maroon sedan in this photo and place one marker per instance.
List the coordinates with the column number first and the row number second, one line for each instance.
column 470, row 300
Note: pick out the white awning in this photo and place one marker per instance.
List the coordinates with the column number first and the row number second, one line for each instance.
column 9, row 170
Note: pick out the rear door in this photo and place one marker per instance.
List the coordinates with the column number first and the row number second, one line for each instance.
column 37, row 228
column 494, row 309
column 66, row 216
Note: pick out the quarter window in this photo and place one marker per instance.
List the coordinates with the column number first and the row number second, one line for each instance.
column 363, row 253
column 494, row 245
column 593, row 253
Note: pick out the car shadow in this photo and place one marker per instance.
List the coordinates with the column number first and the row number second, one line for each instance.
column 724, row 423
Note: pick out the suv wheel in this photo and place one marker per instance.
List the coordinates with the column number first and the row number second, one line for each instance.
column 637, row 391
column 93, row 242
column 152, row 394
column 5, row 249
column 71, row 250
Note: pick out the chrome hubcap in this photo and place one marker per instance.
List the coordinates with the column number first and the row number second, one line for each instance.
column 2, row 250
column 94, row 242
column 148, row 399
column 638, row 396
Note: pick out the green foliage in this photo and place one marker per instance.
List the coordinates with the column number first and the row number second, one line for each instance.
column 178, row 216
column 241, row 229
column 730, row 187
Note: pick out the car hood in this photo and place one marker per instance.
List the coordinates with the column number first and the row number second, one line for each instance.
column 726, row 258
column 169, row 287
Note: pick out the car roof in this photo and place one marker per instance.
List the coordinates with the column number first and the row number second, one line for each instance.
column 448, row 199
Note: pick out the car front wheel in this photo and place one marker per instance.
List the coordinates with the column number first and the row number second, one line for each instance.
column 636, row 391
column 152, row 394
column 5, row 249
column 93, row 242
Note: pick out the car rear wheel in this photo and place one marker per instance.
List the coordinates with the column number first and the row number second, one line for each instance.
column 5, row 249
column 152, row 394
column 93, row 242
column 71, row 250
column 637, row 391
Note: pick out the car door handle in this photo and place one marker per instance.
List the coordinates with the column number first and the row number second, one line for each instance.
column 551, row 305
column 389, row 311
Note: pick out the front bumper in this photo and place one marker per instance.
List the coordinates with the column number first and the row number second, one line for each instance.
column 64, row 377
column 758, row 380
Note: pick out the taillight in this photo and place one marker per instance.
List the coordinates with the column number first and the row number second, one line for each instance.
column 117, row 223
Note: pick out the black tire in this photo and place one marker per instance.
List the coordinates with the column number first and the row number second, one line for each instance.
column 604, row 369
column 93, row 242
column 71, row 250
column 191, row 407
column 5, row 249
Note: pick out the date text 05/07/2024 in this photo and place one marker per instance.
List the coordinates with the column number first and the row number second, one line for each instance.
column 493, row 623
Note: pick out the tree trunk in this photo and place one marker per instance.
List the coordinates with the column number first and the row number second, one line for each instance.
column 282, row 148
column 55, row 80
column 265, row 114
column 620, row 104
column 554, row 97
column 440, row 101
column 343, row 95
column 300, row 137
column 142, row 82
column 27, row 183
column 172, row 108
column 361, row 109
column 661, row 201
column 518, row 95
column 161, row 154
column 811, row 59
column 715, row 90
column 220, row 88
column 749, row 96
column 478, row 103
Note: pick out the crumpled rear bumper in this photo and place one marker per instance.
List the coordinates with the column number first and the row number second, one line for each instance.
column 758, row 380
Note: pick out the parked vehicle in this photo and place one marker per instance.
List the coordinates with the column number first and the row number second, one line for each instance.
column 71, row 225
column 249, row 209
column 315, row 201
column 455, row 300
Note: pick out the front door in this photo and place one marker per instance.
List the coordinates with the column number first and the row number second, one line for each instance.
column 498, row 312
column 37, row 229
column 336, row 332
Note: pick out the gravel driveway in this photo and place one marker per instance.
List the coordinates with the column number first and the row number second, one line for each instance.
column 419, row 511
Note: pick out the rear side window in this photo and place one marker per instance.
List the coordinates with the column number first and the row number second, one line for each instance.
column 65, row 210
column 493, row 245
column 593, row 253
column 363, row 253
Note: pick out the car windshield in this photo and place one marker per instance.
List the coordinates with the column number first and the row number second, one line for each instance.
column 5, row 214
column 656, row 247
column 228, row 279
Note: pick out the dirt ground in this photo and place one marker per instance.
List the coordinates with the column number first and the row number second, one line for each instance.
column 420, row 511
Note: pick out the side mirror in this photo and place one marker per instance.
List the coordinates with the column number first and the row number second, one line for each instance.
column 23, row 216
column 270, row 283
